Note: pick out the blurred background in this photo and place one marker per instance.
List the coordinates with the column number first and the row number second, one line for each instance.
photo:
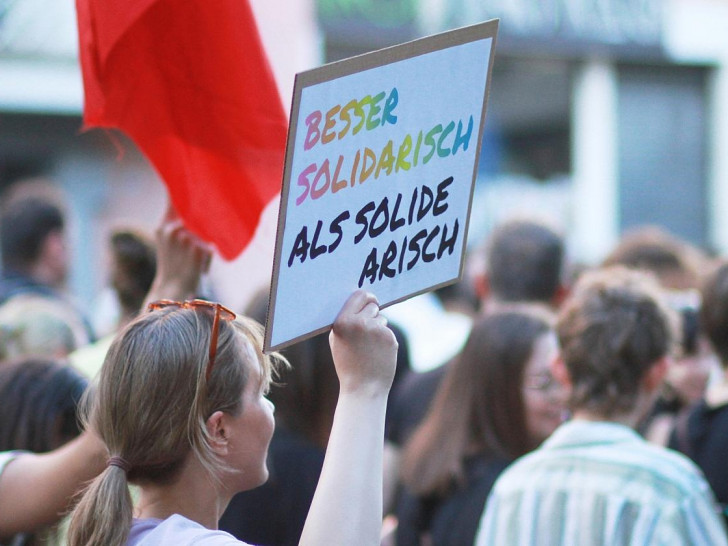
column 603, row 115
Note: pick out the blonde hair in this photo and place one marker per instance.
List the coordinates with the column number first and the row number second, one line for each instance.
column 152, row 403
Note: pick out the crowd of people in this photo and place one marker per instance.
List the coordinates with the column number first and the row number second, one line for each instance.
column 587, row 406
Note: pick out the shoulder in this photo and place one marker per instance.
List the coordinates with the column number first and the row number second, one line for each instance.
column 178, row 530
column 6, row 457
column 627, row 466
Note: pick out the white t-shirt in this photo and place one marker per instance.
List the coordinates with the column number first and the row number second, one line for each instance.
column 6, row 457
column 178, row 531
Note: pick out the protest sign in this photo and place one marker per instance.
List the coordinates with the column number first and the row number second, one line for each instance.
column 380, row 164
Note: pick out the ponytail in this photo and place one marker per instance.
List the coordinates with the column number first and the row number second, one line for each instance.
column 104, row 513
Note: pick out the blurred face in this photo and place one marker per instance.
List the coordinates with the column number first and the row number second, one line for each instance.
column 688, row 375
column 250, row 433
column 543, row 397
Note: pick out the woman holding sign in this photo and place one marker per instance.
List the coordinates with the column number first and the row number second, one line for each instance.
column 181, row 408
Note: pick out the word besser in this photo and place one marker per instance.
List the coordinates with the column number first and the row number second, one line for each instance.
column 385, row 216
column 413, row 150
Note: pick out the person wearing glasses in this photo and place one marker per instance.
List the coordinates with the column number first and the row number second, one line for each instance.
column 497, row 402
column 596, row 481
column 181, row 408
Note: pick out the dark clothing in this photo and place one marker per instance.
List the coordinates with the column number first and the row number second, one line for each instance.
column 274, row 513
column 13, row 283
column 453, row 520
column 410, row 403
column 703, row 437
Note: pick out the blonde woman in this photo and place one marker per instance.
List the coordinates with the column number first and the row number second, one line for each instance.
column 181, row 408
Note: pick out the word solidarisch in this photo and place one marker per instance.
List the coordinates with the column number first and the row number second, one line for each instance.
column 374, row 220
column 368, row 113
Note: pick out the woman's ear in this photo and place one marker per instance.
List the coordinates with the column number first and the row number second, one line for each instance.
column 216, row 429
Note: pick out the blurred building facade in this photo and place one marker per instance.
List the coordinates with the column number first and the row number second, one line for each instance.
column 603, row 114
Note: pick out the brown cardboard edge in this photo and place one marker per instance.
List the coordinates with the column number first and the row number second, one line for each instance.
column 483, row 114
column 282, row 210
column 347, row 67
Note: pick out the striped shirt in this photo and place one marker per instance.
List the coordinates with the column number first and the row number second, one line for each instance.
column 600, row 483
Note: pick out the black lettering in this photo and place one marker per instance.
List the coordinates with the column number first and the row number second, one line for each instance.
column 382, row 209
column 335, row 229
column 300, row 246
column 448, row 244
column 370, row 268
column 401, row 255
column 316, row 251
column 389, row 256
column 361, row 218
column 414, row 246
column 429, row 256
column 412, row 207
column 424, row 208
column 396, row 223
column 439, row 207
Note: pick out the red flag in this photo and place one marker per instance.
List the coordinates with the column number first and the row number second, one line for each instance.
column 189, row 82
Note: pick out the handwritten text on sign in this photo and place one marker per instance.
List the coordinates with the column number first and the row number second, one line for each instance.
column 378, row 182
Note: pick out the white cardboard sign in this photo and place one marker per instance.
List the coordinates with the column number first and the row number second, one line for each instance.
column 380, row 165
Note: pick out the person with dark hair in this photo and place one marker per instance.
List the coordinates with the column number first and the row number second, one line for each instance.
column 675, row 263
column 38, row 412
column 677, row 266
column 32, row 240
column 38, row 404
column 33, row 246
column 134, row 264
column 497, row 402
column 702, row 433
column 595, row 480
column 525, row 261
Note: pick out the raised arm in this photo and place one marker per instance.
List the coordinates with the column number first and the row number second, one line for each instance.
column 36, row 490
column 347, row 506
column 182, row 258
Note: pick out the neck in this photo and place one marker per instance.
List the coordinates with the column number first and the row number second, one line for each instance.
column 630, row 419
column 193, row 494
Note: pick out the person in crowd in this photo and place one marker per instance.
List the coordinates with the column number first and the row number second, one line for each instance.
column 180, row 406
column 38, row 412
column 305, row 395
column 37, row 489
column 35, row 257
column 702, row 433
column 497, row 402
column 38, row 404
column 37, row 325
column 678, row 266
column 133, row 268
column 525, row 263
column 595, row 480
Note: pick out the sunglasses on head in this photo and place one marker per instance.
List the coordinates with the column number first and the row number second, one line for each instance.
column 219, row 311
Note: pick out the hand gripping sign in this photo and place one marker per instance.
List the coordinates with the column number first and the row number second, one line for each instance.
column 378, row 182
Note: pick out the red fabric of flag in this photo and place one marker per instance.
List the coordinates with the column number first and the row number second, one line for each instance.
column 189, row 82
